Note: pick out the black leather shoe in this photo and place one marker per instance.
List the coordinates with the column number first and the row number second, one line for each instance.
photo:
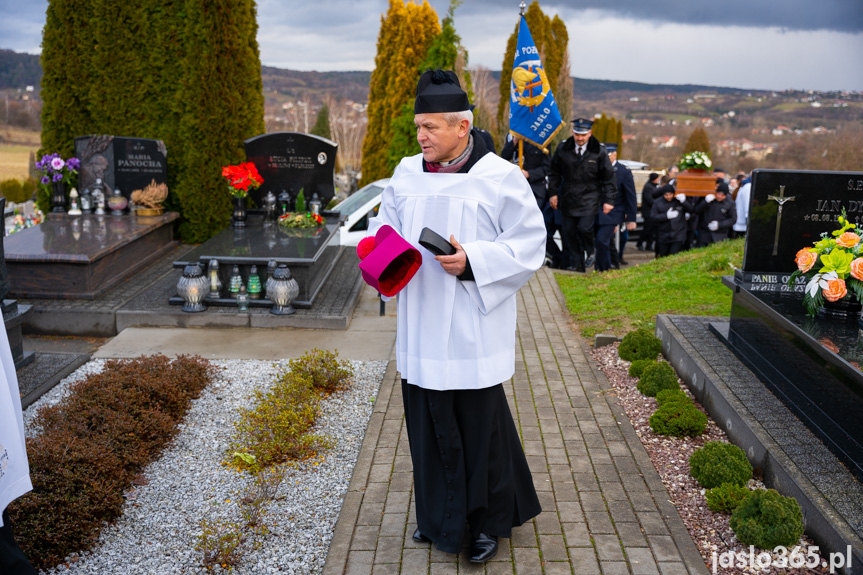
column 623, row 262
column 483, row 548
column 419, row 537
column 589, row 261
column 579, row 269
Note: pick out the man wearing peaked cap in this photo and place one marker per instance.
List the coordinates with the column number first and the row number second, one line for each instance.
column 456, row 323
column 580, row 184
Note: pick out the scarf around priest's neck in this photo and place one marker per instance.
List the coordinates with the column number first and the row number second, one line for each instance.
column 455, row 165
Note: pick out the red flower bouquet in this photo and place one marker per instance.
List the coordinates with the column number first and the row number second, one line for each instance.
column 241, row 178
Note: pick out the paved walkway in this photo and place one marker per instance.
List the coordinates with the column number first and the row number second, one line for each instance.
column 605, row 508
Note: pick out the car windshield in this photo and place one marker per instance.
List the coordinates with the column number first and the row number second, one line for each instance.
column 358, row 199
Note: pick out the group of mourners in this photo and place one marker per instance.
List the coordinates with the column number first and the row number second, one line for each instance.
column 674, row 222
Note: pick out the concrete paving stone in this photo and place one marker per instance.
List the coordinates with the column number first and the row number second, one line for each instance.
column 581, row 465
column 663, row 548
column 546, row 500
column 548, row 521
column 386, row 569
column 592, row 501
column 415, row 561
column 599, row 455
column 359, row 563
column 586, row 482
column 673, row 569
column 534, row 447
column 642, row 500
column 613, row 492
column 443, row 569
column 630, row 534
column 552, row 440
column 536, row 461
column 652, row 522
column 556, row 456
column 625, row 463
column 575, row 448
column 497, row 568
column 365, row 538
column 594, row 440
column 376, row 492
column 565, row 492
column 583, row 561
column 389, row 549
column 567, row 422
column 570, row 512
column 608, row 547
column 621, row 511
column 599, row 522
column 584, row 415
column 380, row 473
column 384, row 455
column 526, row 561
column 557, row 568
column 438, row 556
column 560, row 472
column 553, row 547
column 393, row 525
column 614, row 567
column 611, row 432
column 641, row 561
column 397, row 502
column 546, row 413
column 402, row 464
column 633, row 482
column 401, row 482
column 530, row 433
column 606, row 473
column 541, row 481
column 370, row 513
column 524, row 536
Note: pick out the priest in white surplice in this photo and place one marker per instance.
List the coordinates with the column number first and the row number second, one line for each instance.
column 457, row 322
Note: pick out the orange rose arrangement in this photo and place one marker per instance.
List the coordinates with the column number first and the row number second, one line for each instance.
column 833, row 266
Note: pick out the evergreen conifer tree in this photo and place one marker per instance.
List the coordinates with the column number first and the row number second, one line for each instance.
column 697, row 142
column 405, row 34
column 322, row 123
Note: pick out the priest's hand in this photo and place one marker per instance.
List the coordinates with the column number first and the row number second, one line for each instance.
column 456, row 263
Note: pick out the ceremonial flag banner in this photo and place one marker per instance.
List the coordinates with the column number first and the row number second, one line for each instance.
column 533, row 113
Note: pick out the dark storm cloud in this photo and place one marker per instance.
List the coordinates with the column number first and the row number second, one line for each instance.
column 837, row 15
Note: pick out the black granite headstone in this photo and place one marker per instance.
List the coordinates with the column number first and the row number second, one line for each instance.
column 126, row 163
column 788, row 211
column 293, row 161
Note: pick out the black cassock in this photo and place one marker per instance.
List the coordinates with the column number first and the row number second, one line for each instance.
column 468, row 463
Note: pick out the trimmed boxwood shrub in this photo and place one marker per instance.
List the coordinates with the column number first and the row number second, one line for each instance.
column 726, row 497
column 768, row 519
column 639, row 344
column 717, row 463
column 678, row 418
column 675, row 395
column 639, row 365
column 92, row 445
column 656, row 378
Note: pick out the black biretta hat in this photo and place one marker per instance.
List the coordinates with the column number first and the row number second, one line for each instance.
column 439, row 91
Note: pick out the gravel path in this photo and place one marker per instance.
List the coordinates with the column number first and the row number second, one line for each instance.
column 670, row 456
column 158, row 530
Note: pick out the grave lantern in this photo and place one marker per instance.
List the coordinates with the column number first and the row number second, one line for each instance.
column 282, row 289
column 192, row 287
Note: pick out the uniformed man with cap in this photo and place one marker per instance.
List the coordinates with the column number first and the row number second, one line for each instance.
column 580, row 184
column 624, row 211
column 455, row 342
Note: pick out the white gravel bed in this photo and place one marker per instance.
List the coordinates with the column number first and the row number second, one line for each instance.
column 710, row 531
column 157, row 532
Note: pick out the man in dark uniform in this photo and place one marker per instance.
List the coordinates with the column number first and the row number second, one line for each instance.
column 648, row 234
column 582, row 178
column 622, row 213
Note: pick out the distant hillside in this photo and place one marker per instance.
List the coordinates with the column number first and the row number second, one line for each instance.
column 590, row 89
column 18, row 70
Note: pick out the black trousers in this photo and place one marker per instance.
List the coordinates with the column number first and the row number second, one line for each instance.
column 12, row 559
column 578, row 231
column 469, row 466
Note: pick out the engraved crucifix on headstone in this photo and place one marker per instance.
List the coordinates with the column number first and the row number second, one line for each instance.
column 780, row 199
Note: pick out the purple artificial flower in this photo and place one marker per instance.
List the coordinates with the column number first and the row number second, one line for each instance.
column 58, row 177
column 46, row 180
column 57, row 163
column 73, row 163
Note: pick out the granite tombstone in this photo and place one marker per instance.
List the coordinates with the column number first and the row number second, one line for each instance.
column 293, row 161
column 788, row 211
column 813, row 364
column 125, row 163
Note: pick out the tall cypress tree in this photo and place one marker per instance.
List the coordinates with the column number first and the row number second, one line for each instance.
column 322, row 123
column 222, row 96
column 403, row 41
column 698, row 142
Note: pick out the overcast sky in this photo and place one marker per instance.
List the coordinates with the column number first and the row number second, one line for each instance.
column 758, row 44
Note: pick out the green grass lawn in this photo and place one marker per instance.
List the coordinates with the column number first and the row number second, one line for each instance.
column 619, row 301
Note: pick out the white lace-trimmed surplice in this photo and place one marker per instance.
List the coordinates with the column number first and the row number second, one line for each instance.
column 14, row 468
column 455, row 334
